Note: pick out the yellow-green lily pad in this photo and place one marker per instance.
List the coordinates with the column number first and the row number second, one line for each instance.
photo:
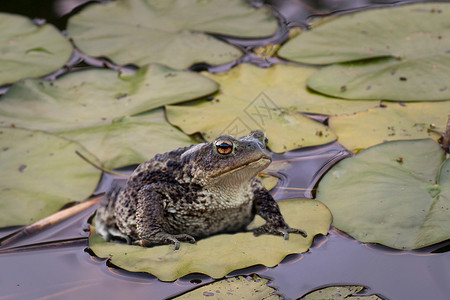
column 396, row 194
column 218, row 255
column 93, row 107
column 240, row 287
column 267, row 99
column 400, row 53
column 28, row 50
column 391, row 122
column 170, row 32
column 285, row 85
column 344, row 292
column 40, row 173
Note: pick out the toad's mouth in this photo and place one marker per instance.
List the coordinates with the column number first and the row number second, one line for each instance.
column 253, row 167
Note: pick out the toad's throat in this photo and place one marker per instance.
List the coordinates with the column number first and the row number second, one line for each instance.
column 256, row 165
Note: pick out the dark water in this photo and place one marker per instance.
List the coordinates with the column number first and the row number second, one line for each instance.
column 58, row 263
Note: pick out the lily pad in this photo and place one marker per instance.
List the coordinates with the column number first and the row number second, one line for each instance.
column 218, row 255
column 267, row 99
column 240, row 287
column 340, row 293
column 390, row 122
column 130, row 140
column 285, row 85
column 28, row 50
column 396, row 194
column 400, row 53
column 40, row 173
column 168, row 32
column 89, row 106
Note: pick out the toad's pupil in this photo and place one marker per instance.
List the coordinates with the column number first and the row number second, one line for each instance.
column 224, row 147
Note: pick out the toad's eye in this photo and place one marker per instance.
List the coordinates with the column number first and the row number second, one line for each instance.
column 266, row 141
column 224, row 147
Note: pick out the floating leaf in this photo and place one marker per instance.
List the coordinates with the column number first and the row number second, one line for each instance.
column 340, row 293
column 89, row 105
column 267, row 99
column 396, row 194
column 168, row 32
column 404, row 53
column 391, row 122
column 40, row 173
column 28, row 50
column 285, row 85
column 129, row 141
column 240, row 287
column 218, row 255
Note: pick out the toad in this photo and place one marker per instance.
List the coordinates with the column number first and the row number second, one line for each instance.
column 192, row 193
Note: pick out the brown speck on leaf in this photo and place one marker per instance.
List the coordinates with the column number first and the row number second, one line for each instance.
column 368, row 87
column 403, row 78
column 319, row 133
column 103, row 119
column 5, row 149
column 13, row 125
column 443, row 89
column 343, row 88
column 393, row 72
column 21, row 168
column 124, row 95
column 399, row 160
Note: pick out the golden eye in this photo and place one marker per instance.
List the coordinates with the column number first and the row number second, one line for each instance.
column 224, row 147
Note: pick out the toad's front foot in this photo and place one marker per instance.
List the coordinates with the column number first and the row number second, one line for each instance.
column 281, row 230
column 163, row 238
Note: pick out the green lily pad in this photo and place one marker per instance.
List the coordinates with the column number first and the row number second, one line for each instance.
column 340, row 293
column 396, row 194
column 391, row 122
column 40, row 173
column 218, row 255
column 90, row 106
column 131, row 140
column 240, row 287
column 28, row 50
column 168, row 32
column 404, row 54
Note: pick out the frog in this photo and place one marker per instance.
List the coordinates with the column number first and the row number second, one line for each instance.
column 192, row 193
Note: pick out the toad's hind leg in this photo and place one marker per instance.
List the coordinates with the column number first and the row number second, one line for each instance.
column 150, row 219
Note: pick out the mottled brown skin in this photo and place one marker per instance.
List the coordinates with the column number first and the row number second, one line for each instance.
column 194, row 192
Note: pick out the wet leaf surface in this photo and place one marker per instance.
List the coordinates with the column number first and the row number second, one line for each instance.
column 240, row 287
column 393, row 121
column 398, row 53
column 218, row 255
column 396, row 194
column 93, row 107
column 168, row 32
column 340, row 293
column 40, row 173
column 28, row 50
